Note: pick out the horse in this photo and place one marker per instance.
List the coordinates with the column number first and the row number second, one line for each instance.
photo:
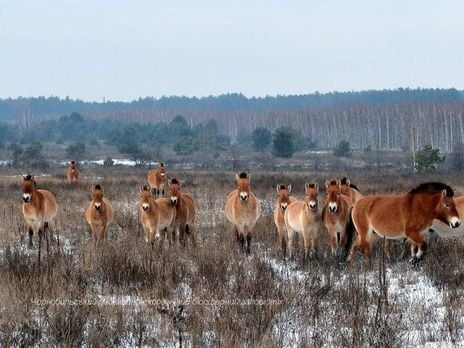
column 243, row 209
column 302, row 217
column 72, row 174
column 99, row 215
column 335, row 214
column 283, row 201
column 157, row 179
column 399, row 216
column 39, row 210
column 185, row 211
column 155, row 214
column 350, row 190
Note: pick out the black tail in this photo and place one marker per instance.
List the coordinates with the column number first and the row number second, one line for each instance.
column 350, row 231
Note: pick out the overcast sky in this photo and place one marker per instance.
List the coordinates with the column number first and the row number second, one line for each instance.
column 122, row 50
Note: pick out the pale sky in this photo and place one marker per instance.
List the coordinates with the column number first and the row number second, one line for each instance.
column 123, row 50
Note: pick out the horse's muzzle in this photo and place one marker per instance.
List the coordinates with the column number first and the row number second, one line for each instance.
column 283, row 207
column 26, row 199
column 173, row 201
column 455, row 222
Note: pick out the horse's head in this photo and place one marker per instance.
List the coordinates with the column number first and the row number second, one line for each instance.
column 283, row 196
column 162, row 170
column 97, row 194
column 446, row 210
column 145, row 196
column 243, row 182
column 73, row 165
column 345, row 186
column 311, row 191
column 28, row 187
column 174, row 190
column 333, row 194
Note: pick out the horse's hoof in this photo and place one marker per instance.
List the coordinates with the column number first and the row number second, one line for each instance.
column 414, row 261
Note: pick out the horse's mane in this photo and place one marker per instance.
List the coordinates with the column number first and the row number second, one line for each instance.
column 73, row 162
column 98, row 187
column 243, row 175
column 161, row 164
column 282, row 187
column 434, row 187
column 333, row 182
column 344, row 182
column 145, row 188
column 312, row 185
column 28, row 177
column 174, row 181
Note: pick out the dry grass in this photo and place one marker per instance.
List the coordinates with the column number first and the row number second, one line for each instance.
column 318, row 303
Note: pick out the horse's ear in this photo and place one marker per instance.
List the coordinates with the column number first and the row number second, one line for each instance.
column 443, row 193
column 316, row 186
column 348, row 182
column 237, row 177
column 327, row 183
column 289, row 188
column 306, row 185
column 278, row 188
column 180, row 183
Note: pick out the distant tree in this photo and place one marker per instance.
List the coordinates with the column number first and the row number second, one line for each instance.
column 427, row 159
column 179, row 127
column 108, row 162
column 134, row 150
column 457, row 157
column 261, row 139
column 76, row 151
column 342, row 149
column 184, row 146
column 31, row 156
column 283, row 144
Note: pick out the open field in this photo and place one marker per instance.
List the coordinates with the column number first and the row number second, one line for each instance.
column 128, row 294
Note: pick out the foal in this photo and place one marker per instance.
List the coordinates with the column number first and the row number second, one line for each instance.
column 283, row 201
column 302, row 218
column 99, row 215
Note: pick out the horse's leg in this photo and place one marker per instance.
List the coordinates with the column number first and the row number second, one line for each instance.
column 333, row 239
column 190, row 232
column 40, row 243
column 283, row 240
column 418, row 241
column 306, row 243
column 248, row 241
column 290, row 246
column 31, row 233
column 182, row 234
column 241, row 236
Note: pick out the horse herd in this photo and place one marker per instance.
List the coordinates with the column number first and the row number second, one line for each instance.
column 347, row 218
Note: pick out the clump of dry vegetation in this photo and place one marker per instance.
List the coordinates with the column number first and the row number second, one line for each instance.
column 127, row 293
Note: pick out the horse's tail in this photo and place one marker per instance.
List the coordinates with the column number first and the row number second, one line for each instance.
column 350, row 231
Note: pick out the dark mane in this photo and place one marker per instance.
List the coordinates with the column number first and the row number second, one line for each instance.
column 333, row 182
column 174, row 181
column 161, row 164
column 433, row 187
column 145, row 188
column 73, row 162
column 282, row 187
column 243, row 175
column 312, row 185
column 28, row 177
column 353, row 186
column 98, row 187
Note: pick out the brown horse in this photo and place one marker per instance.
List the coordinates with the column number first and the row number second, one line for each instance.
column 302, row 218
column 73, row 173
column 283, row 201
column 157, row 179
column 243, row 210
column 99, row 215
column 155, row 214
column 350, row 190
column 39, row 210
column 335, row 214
column 399, row 216
column 185, row 211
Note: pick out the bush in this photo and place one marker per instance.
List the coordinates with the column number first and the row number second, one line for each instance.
column 427, row 159
column 283, row 143
column 261, row 139
column 343, row 149
column 76, row 151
